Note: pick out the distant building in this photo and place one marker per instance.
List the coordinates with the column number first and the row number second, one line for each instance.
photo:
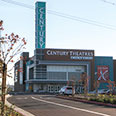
column 20, row 72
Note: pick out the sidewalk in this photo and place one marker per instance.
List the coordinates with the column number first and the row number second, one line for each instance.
column 17, row 109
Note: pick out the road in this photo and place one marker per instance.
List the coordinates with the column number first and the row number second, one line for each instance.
column 49, row 105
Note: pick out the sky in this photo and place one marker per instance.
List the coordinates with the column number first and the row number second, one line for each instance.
column 78, row 24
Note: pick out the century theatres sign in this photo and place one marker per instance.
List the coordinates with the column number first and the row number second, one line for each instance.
column 40, row 24
column 67, row 54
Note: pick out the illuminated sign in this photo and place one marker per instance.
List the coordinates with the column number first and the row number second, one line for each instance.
column 40, row 20
column 69, row 54
column 103, row 73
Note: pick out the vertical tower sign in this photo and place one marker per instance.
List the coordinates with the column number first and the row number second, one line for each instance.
column 40, row 24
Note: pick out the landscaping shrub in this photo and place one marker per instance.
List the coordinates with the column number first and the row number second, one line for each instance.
column 9, row 111
column 104, row 98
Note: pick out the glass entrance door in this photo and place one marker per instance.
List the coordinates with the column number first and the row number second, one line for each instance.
column 53, row 88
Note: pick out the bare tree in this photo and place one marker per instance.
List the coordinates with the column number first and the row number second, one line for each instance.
column 10, row 46
column 84, row 80
column 111, row 85
column 72, row 82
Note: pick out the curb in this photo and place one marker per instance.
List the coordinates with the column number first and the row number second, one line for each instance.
column 86, row 101
column 17, row 109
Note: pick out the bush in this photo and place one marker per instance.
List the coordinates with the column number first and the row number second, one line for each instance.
column 99, row 100
column 92, row 99
column 114, row 101
column 104, row 98
column 9, row 111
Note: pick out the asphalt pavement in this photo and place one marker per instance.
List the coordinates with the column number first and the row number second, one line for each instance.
column 49, row 105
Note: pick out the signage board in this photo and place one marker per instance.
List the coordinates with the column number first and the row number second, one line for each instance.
column 40, row 24
column 103, row 73
column 67, row 55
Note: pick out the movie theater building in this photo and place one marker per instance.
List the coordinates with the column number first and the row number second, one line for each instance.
column 50, row 69
column 53, row 68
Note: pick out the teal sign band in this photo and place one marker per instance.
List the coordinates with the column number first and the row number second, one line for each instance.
column 40, row 24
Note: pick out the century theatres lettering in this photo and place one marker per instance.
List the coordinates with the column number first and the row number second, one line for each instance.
column 72, row 53
column 57, row 53
column 85, row 55
column 41, row 20
column 41, row 26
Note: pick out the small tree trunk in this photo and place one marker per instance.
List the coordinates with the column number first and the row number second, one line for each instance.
column 85, row 88
column 96, row 89
column 3, row 88
column 85, row 91
column 72, row 89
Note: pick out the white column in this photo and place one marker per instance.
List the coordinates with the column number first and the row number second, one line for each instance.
column 67, row 76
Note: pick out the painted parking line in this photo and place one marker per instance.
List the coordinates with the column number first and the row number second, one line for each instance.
column 74, row 108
